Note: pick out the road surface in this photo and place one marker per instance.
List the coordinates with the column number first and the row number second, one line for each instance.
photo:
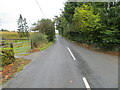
column 66, row 65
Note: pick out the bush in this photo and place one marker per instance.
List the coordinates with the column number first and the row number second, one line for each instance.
column 7, row 56
column 46, row 26
column 37, row 39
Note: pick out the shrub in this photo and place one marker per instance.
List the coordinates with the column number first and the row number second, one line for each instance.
column 37, row 39
column 7, row 56
column 46, row 26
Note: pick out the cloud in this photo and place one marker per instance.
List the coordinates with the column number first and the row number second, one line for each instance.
column 10, row 10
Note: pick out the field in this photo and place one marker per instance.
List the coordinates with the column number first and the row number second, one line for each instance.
column 12, row 35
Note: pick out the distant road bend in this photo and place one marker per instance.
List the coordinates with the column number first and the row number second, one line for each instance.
column 66, row 65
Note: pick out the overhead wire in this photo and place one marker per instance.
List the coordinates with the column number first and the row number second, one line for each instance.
column 40, row 8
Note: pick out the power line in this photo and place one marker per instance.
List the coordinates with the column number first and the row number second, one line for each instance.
column 40, row 8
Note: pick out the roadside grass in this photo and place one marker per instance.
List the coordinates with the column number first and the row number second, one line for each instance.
column 24, row 54
column 10, row 70
column 42, row 47
column 46, row 46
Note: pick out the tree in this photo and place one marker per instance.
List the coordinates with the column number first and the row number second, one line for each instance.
column 4, row 30
column 46, row 26
column 61, row 24
column 22, row 27
column 110, row 19
column 94, row 23
column 85, row 19
column 69, row 11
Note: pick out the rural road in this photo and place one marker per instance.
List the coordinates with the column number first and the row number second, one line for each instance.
column 66, row 65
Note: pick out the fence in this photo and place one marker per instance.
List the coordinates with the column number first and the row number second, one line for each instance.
column 22, row 47
column 19, row 45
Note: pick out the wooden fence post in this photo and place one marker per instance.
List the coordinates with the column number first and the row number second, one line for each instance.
column 11, row 45
column 31, row 44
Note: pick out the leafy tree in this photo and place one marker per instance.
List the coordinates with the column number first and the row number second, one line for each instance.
column 61, row 24
column 85, row 19
column 69, row 11
column 95, row 23
column 109, row 15
column 46, row 26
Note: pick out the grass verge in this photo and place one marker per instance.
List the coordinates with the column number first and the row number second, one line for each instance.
column 46, row 46
column 42, row 47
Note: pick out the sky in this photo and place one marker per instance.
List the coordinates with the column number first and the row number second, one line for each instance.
column 10, row 11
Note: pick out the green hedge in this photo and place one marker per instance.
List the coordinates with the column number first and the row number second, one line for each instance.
column 7, row 56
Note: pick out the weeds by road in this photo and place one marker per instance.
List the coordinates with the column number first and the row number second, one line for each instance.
column 10, row 70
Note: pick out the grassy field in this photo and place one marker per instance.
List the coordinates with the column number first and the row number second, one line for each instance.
column 12, row 35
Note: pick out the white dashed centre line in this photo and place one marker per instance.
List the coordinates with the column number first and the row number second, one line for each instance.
column 71, row 53
column 86, row 83
column 84, row 79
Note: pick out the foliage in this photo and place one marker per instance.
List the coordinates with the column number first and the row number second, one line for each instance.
column 37, row 39
column 45, row 46
column 92, row 23
column 4, row 30
column 22, row 27
column 46, row 26
column 69, row 11
column 61, row 24
column 84, row 18
column 7, row 56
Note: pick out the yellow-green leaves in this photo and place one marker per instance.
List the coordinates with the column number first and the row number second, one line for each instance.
column 85, row 19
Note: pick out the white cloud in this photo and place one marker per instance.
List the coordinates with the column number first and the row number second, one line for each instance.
column 10, row 10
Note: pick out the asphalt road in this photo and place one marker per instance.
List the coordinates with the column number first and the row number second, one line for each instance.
column 66, row 65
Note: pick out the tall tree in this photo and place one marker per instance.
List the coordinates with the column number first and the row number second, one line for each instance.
column 22, row 27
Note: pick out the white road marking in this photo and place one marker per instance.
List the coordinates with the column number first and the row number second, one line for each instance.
column 86, row 83
column 71, row 53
